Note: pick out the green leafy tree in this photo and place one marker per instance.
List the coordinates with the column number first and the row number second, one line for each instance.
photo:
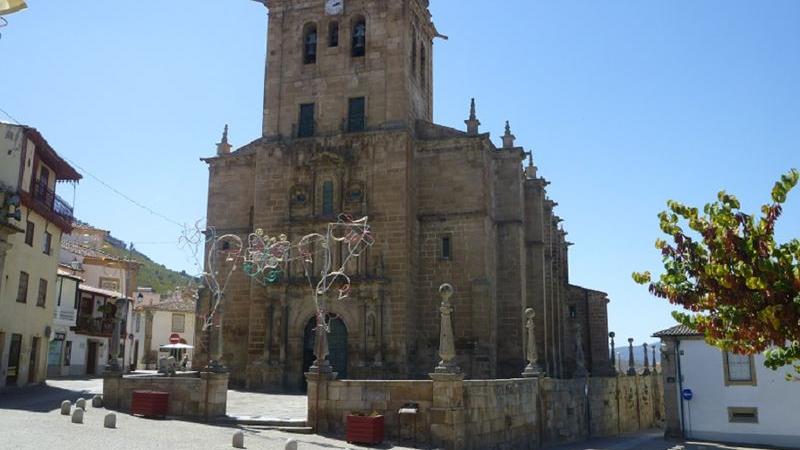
column 741, row 289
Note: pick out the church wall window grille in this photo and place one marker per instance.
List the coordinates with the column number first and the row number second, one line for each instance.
column 306, row 128
column 447, row 248
column 356, row 114
column 359, row 37
column 310, row 44
column 327, row 198
column 355, row 193
column 333, row 34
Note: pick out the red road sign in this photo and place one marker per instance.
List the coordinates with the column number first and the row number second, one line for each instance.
column 174, row 338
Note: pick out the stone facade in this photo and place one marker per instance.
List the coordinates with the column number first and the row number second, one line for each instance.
column 444, row 206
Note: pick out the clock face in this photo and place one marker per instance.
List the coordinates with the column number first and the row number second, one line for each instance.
column 334, row 7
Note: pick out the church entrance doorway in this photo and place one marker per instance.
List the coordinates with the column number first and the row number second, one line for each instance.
column 337, row 346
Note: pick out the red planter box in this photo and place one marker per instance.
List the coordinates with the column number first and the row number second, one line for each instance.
column 150, row 403
column 365, row 429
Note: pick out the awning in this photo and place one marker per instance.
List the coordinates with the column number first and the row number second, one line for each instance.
column 175, row 346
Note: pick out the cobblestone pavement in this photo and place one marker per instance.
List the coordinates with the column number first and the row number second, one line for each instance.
column 652, row 440
column 254, row 404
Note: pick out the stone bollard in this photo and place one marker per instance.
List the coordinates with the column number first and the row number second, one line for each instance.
column 81, row 403
column 291, row 444
column 110, row 421
column 77, row 416
column 238, row 439
column 97, row 401
column 66, row 408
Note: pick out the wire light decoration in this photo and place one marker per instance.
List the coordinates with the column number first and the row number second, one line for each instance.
column 266, row 260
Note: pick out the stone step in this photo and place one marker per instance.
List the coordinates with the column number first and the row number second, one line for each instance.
column 265, row 421
column 295, row 430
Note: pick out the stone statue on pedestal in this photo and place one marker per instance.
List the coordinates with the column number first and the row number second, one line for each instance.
column 532, row 369
column 447, row 348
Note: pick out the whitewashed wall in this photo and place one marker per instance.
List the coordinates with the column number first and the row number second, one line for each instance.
column 706, row 415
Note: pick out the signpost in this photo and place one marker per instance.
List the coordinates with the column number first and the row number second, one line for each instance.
column 687, row 394
column 174, row 338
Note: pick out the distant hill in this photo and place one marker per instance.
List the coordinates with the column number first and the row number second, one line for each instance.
column 151, row 274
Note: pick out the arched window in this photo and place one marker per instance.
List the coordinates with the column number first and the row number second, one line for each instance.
column 359, row 37
column 333, row 34
column 422, row 64
column 310, row 44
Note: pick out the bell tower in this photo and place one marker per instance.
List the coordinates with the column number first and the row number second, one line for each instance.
column 347, row 66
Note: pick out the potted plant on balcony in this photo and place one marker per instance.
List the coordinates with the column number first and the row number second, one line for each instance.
column 365, row 429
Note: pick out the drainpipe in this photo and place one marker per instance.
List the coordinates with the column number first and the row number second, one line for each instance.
column 680, row 385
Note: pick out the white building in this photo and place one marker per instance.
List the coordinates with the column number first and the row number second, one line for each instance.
column 65, row 316
column 718, row 396
column 166, row 322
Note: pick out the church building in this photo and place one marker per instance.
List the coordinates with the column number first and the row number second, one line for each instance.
column 348, row 129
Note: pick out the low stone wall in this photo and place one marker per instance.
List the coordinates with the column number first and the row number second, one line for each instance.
column 193, row 395
column 525, row 413
column 501, row 413
column 366, row 397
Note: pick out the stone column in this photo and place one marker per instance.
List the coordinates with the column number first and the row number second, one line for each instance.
column 113, row 348
column 321, row 363
column 646, row 370
column 448, row 428
column 654, row 360
column 613, row 354
column 533, row 369
column 215, row 344
column 631, row 363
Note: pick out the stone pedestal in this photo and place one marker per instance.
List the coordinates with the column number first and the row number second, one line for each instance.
column 448, row 418
column 112, row 382
column 317, row 400
column 216, row 398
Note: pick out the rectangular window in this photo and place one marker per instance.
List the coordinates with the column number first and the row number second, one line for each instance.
column 327, row 198
column 447, row 251
column 22, row 291
column 41, row 299
column 333, row 34
column 178, row 323
column 743, row 415
column 356, row 114
column 29, row 230
column 306, row 128
column 47, row 243
column 739, row 369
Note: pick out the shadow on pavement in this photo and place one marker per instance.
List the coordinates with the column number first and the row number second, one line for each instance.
column 40, row 398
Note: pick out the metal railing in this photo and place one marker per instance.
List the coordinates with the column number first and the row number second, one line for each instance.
column 47, row 197
column 95, row 325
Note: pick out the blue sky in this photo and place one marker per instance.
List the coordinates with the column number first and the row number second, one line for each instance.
column 625, row 104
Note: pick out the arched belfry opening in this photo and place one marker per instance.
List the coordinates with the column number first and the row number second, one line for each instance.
column 337, row 345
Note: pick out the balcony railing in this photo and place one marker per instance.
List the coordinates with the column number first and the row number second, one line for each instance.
column 94, row 325
column 42, row 194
